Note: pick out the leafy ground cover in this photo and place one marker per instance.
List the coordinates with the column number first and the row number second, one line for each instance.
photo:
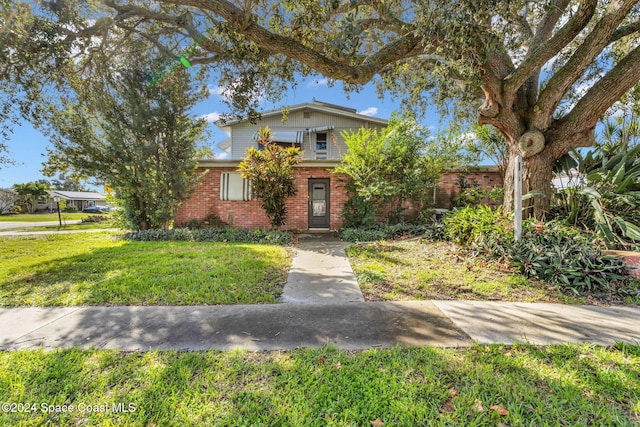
column 102, row 269
column 575, row 385
column 419, row 270
column 564, row 257
column 43, row 217
column 212, row 234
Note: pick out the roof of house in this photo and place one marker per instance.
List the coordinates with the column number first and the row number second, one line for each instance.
column 78, row 195
column 316, row 106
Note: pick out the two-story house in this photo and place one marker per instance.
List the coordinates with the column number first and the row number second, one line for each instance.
column 314, row 127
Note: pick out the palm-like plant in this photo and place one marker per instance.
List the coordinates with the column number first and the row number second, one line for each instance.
column 620, row 134
column 271, row 173
column 605, row 196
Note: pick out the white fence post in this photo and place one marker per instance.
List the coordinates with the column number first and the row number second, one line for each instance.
column 517, row 198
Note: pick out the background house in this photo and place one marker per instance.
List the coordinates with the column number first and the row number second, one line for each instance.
column 223, row 195
column 79, row 199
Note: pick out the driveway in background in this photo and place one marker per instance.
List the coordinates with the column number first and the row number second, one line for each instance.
column 5, row 225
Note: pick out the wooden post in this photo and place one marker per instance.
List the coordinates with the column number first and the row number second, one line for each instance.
column 517, row 196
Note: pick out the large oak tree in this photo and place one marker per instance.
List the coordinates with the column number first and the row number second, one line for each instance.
column 541, row 72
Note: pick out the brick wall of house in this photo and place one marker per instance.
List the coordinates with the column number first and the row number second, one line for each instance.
column 448, row 186
column 206, row 202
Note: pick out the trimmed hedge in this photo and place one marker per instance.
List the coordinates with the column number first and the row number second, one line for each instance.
column 238, row 235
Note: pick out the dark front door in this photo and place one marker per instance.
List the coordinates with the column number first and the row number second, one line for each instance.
column 319, row 203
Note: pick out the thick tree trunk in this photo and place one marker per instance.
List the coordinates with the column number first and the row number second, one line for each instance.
column 537, row 173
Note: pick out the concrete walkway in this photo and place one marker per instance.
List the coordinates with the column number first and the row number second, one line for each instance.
column 321, row 273
column 324, row 307
column 352, row 326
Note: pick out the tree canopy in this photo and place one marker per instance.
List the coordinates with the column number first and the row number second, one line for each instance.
column 131, row 132
column 541, row 72
column 30, row 193
column 399, row 164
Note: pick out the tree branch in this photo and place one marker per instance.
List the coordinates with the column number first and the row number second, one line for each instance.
column 403, row 46
column 162, row 48
column 524, row 28
column 383, row 10
column 600, row 97
column 625, row 31
column 583, row 56
column 548, row 23
column 542, row 50
column 184, row 21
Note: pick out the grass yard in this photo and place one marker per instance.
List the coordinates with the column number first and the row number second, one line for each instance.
column 101, row 269
column 39, row 217
column 576, row 385
column 421, row 270
column 81, row 226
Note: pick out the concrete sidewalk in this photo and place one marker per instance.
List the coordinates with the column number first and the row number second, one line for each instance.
column 25, row 224
column 325, row 307
column 38, row 233
column 352, row 326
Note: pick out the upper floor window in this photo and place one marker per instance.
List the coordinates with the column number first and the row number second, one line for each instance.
column 321, row 141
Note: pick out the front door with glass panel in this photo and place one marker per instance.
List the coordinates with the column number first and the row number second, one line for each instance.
column 319, row 203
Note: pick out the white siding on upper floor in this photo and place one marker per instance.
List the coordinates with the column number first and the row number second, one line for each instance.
column 242, row 133
column 242, row 139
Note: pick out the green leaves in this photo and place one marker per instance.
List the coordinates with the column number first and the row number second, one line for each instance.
column 628, row 229
column 29, row 194
column 137, row 137
column 402, row 162
column 606, row 197
column 474, row 225
column 558, row 259
column 271, row 173
column 212, row 234
column 558, row 255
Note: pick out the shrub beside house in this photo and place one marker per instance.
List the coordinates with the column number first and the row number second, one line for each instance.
column 72, row 199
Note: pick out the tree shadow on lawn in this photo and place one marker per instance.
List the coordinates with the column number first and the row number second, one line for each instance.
column 529, row 385
column 143, row 273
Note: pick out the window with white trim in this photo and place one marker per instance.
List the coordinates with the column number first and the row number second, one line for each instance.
column 234, row 187
column 321, row 146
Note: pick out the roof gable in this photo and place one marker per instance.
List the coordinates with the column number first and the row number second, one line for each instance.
column 314, row 106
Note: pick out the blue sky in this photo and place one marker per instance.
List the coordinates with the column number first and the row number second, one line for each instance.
column 27, row 145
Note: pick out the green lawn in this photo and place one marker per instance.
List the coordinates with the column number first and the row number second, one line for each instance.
column 80, row 226
column 38, row 217
column 101, row 269
column 419, row 270
column 572, row 385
